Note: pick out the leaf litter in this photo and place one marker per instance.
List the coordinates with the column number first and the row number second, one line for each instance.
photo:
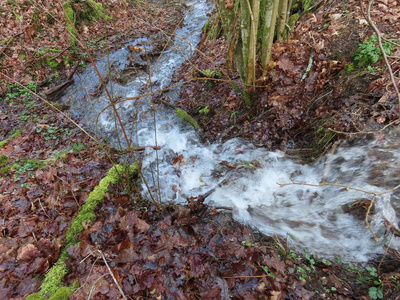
column 186, row 251
column 309, row 87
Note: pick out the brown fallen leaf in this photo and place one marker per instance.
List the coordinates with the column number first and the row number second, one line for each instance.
column 44, row 265
column 141, row 225
column 28, row 252
column 285, row 64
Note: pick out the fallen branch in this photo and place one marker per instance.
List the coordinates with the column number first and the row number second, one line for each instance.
column 56, row 92
column 223, row 182
column 224, row 207
column 140, row 148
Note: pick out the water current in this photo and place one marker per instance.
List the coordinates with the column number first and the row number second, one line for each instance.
column 311, row 217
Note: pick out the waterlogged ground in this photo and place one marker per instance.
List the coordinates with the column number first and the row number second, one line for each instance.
column 182, row 252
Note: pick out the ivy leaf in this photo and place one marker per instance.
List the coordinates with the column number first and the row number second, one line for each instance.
column 375, row 293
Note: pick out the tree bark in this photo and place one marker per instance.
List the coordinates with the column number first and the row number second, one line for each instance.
column 250, row 27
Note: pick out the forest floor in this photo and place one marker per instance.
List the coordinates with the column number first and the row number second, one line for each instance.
column 49, row 166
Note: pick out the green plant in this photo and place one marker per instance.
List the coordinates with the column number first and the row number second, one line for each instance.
column 3, row 160
column 293, row 255
column 233, row 115
column 372, row 70
column 302, row 272
column 369, row 52
column 53, row 132
column 211, row 73
column 204, row 111
column 247, row 244
column 269, row 273
column 376, row 292
column 30, row 164
column 24, row 117
column 78, row 146
column 372, row 271
column 307, row 4
column 326, row 262
column 15, row 90
column 310, row 259
column 7, row 169
column 31, row 105
column 13, row 136
column 351, row 267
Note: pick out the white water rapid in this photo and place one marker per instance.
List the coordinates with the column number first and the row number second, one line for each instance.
column 314, row 218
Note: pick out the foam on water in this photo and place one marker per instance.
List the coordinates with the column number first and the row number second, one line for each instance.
column 310, row 217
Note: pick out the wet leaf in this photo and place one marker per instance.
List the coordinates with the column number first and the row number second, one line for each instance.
column 29, row 252
column 285, row 64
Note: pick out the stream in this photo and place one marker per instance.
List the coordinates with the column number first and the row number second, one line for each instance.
column 311, row 217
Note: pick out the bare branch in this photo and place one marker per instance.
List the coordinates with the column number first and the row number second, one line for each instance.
column 385, row 57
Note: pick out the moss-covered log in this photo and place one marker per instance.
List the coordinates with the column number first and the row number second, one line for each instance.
column 52, row 286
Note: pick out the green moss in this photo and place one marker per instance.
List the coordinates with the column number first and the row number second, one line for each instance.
column 13, row 136
column 307, row 4
column 34, row 296
column 62, row 293
column 53, row 282
column 70, row 19
column 211, row 73
column 6, row 170
column 248, row 99
column 293, row 19
column 97, row 10
column 87, row 212
column 187, row 118
column 3, row 160
column 206, row 26
column 52, row 63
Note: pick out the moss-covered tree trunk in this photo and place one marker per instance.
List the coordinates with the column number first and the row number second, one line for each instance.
column 250, row 26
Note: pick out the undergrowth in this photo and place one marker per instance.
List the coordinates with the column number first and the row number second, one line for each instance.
column 368, row 53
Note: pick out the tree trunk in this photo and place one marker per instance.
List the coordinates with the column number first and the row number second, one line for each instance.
column 250, row 25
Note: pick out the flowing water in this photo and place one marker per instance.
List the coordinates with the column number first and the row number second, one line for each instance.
column 309, row 216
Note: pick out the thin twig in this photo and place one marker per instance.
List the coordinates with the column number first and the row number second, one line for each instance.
column 374, row 195
column 379, row 35
column 365, row 132
column 40, row 203
column 383, row 256
column 112, row 275
column 248, row 276
column 368, row 226
column 94, row 284
column 223, row 207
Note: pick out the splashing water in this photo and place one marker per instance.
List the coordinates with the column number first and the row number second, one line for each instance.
column 311, row 217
